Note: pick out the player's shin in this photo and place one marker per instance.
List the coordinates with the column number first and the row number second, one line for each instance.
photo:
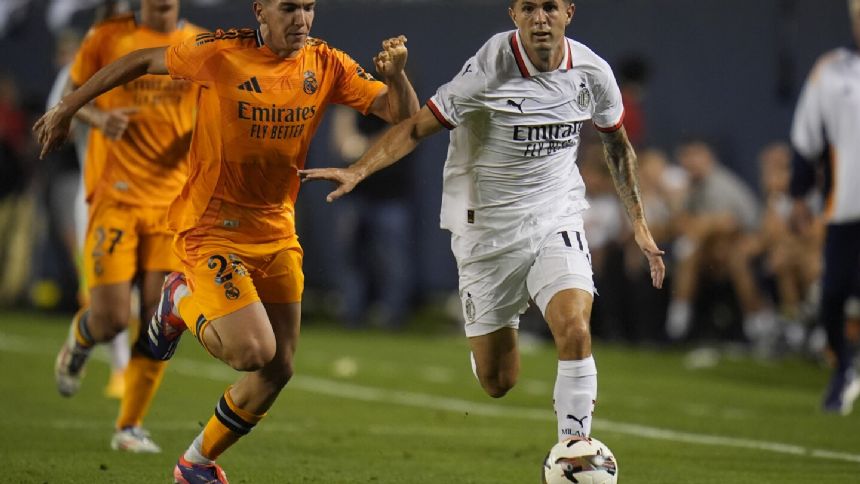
column 574, row 395
column 142, row 378
column 225, row 428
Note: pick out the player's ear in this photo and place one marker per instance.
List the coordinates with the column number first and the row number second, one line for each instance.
column 258, row 12
column 570, row 11
column 512, row 14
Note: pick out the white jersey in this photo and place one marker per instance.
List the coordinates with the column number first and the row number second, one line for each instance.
column 511, row 161
column 828, row 117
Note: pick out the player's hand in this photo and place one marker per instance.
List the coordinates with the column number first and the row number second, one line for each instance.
column 392, row 59
column 113, row 123
column 655, row 256
column 345, row 178
column 52, row 129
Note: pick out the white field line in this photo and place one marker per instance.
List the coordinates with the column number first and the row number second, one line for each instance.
column 337, row 389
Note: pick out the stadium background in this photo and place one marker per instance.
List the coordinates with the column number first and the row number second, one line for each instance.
column 403, row 407
column 729, row 70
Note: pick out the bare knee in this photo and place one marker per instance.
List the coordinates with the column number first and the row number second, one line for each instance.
column 573, row 336
column 497, row 384
column 251, row 355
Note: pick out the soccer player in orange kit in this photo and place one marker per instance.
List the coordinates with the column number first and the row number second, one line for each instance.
column 136, row 163
column 263, row 95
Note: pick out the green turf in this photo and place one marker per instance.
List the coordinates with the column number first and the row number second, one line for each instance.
column 405, row 408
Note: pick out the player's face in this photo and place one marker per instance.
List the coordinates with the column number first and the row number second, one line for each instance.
column 288, row 22
column 161, row 6
column 542, row 22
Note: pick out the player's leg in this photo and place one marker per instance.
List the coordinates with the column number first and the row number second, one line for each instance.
column 568, row 314
column 143, row 376
column 841, row 258
column 561, row 284
column 239, row 339
column 496, row 361
column 99, row 322
column 492, row 286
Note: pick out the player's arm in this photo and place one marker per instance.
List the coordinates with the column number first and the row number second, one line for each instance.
column 622, row 165
column 398, row 101
column 396, row 143
column 53, row 128
column 112, row 123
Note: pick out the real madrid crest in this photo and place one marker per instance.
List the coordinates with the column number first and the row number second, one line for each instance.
column 583, row 99
column 310, row 85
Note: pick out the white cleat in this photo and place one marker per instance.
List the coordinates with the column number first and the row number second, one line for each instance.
column 134, row 440
column 69, row 366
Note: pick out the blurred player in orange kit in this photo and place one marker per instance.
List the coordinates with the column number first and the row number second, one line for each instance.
column 263, row 95
column 136, row 163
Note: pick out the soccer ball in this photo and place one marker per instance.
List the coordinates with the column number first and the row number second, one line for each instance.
column 580, row 460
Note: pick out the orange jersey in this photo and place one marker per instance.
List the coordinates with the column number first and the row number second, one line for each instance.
column 148, row 166
column 257, row 116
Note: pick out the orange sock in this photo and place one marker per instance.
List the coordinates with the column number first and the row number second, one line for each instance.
column 226, row 426
column 142, row 378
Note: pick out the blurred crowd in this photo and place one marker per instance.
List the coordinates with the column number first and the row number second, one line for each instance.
column 743, row 257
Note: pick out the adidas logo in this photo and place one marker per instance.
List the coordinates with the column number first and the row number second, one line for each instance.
column 250, row 85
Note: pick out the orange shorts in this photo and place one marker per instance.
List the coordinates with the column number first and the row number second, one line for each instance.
column 123, row 240
column 225, row 276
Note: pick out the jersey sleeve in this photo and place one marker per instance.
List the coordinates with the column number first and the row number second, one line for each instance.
column 190, row 58
column 608, row 113
column 354, row 86
column 89, row 58
column 461, row 96
column 807, row 127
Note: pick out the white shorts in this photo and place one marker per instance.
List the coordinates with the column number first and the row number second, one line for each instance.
column 496, row 283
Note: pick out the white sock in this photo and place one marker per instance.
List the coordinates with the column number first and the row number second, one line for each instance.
column 193, row 454
column 678, row 319
column 180, row 293
column 474, row 365
column 120, row 351
column 574, row 397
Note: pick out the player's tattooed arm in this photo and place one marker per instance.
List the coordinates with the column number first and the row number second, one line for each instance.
column 622, row 165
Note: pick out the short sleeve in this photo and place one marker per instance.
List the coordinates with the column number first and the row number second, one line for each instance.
column 354, row 86
column 608, row 113
column 807, row 127
column 189, row 59
column 89, row 58
column 461, row 96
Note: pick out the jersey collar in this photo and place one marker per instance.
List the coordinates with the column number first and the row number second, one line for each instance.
column 527, row 69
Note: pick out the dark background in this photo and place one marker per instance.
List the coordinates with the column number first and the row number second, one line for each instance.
column 729, row 70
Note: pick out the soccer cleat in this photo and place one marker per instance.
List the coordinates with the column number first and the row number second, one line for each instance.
column 134, row 440
column 69, row 365
column 165, row 328
column 843, row 389
column 187, row 473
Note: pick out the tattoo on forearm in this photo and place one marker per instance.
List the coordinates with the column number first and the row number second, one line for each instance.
column 622, row 165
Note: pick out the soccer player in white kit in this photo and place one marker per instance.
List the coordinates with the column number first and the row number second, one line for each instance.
column 826, row 129
column 513, row 196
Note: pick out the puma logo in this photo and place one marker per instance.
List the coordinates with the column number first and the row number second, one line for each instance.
column 580, row 421
column 516, row 105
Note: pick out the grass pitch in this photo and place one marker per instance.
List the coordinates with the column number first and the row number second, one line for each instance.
column 369, row 407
